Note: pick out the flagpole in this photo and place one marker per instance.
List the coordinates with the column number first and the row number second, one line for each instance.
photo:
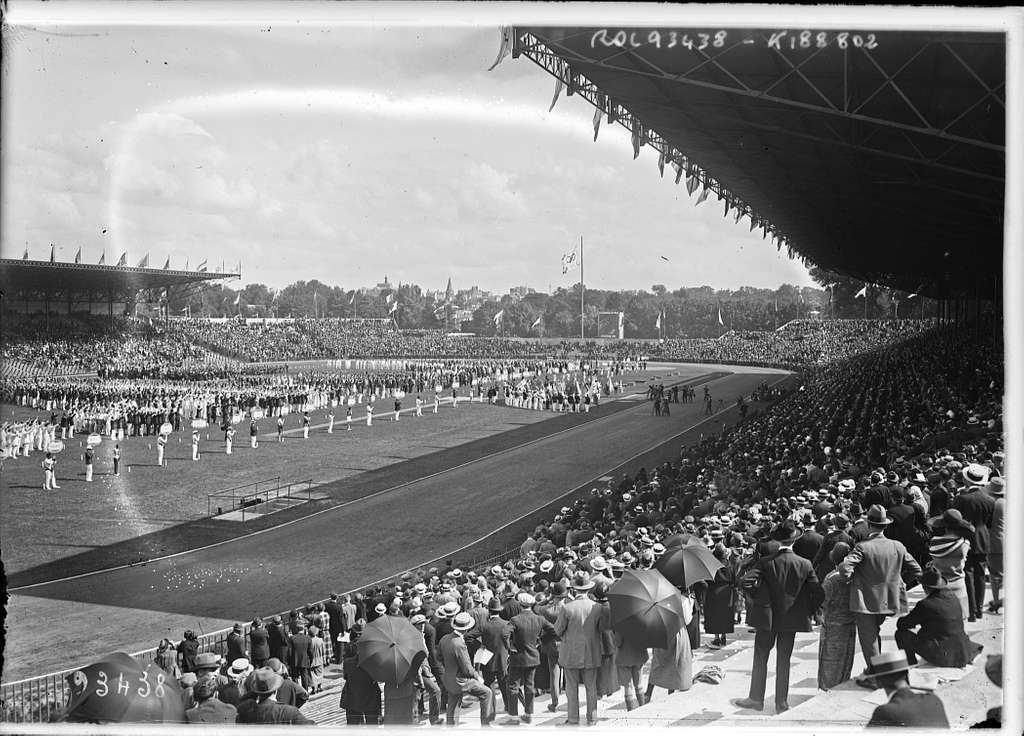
column 582, row 288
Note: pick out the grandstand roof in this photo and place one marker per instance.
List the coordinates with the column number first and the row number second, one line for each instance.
column 883, row 161
column 40, row 277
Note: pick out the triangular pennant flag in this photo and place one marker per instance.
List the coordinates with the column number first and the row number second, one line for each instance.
column 535, row 323
column 703, row 195
column 862, row 292
column 739, row 214
column 123, row 260
column 25, row 257
column 692, row 181
column 636, row 141
column 661, row 163
column 144, row 263
column 103, row 258
column 167, row 263
column 505, row 48
column 657, row 322
column 597, row 122
column 238, row 299
column 558, row 91
column 679, row 170
column 78, row 255
column 52, row 252
column 753, row 223
column 352, row 300
column 720, row 316
column 498, row 316
column 201, row 266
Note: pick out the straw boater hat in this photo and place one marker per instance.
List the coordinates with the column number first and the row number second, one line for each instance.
column 975, row 474
column 463, row 622
column 889, row 663
column 581, row 581
column 448, row 610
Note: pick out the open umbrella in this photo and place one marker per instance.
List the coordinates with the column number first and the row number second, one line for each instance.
column 388, row 649
column 646, row 608
column 677, row 540
column 120, row 689
column 688, row 563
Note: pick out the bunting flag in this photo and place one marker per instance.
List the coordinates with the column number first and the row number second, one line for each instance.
column 123, row 260
column 753, row 223
column 726, row 213
column 201, row 266
column 558, row 91
column 78, row 255
column 498, row 316
column 167, row 263
column 862, row 292
column 506, row 46
column 636, row 141
column 720, row 316
column 53, row 250
column 597, row 122
column 535, row 323
column 661, row 163
column 692, row 181
column 679, row 170
column 739, row 214
column 703, row 195
column 103, row 257
column 144, row 263
column 25, row 257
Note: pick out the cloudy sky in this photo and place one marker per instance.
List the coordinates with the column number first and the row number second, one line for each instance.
column 340, row 153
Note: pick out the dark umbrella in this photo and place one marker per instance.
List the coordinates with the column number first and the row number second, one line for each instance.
column 120, row 689
column 388, row 648
column 677, row 540
column 646, row 608
column 688, row 563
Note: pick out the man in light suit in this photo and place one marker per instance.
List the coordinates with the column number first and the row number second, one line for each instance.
column 793, row 595
column 878, row 568
column 460, row 677
column 579, row 654
column 527, row 628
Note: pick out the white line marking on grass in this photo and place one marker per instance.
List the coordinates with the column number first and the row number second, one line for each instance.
column 381, row 493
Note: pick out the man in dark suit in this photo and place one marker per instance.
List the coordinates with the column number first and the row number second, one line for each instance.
column 524, row 657
column 822, row 562
column 259, row 642
column 278, row 639
column 291, row 692
column 336, row 624
column 236, row 644
column 794, row 594
column 976, row 506
column 808, row 544
column 460, row 678
column 905, row 707
column 495, row 634
column 209, row 709
column 300, row 656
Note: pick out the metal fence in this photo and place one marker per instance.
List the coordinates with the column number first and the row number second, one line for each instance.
column 259, row 502
column 41, row 699
column 231, row 497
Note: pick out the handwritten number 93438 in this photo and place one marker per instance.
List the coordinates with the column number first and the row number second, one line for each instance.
column 698, row 41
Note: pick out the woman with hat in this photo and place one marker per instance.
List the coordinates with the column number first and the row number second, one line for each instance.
column 837, row 645
column 166, row 658
column 941, row 639
column 607, row 674
column 720, row 598
column 948, row 550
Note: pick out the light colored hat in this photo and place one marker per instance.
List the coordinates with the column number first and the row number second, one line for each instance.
column 888, row 663
column 976, row 474
column 380, row 608
column 598, row 563
column 526, row 599
column 581, row 581
column 448, row 610
column 463, row 622
column 240, row 667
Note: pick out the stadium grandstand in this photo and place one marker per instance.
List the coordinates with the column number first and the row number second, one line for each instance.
column 319, row 521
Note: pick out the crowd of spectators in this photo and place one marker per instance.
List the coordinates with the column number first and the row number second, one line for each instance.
column 899, row 450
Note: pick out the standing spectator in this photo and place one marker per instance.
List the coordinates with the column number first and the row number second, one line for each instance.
column 291, row 692
column 360, row 696
column 259, row 642
column 495, row 634
column 165, row 658
column 317, row 661
column 188, row 648
column 527, row 630
column 427, row 679
column 977, row 508
column 630, row 659
column 672, row 666
column 117, row 459
column 997, row 488
column 336, row 624
column 948, row 548
column 278, row 638
column 794, row 595
column 236, row 644
column 263, row 708
column 878, row 568
column 300, row 655
column 460, row 678
column 549, row 642
column 579, row 655
column 720, row 599
column 905, row 707
column 837, row 645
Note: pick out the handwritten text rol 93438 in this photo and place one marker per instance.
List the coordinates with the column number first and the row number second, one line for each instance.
column 700, row 40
